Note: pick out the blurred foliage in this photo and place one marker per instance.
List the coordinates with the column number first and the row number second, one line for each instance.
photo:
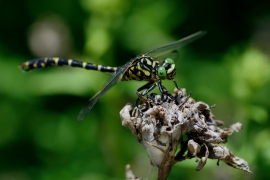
column 40, row 137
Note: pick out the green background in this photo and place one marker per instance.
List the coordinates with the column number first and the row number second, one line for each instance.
column 40, row 137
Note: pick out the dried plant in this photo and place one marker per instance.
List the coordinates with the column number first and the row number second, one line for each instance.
column 164, row 123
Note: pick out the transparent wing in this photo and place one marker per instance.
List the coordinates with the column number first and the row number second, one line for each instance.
column 164, row 51
column 111, row 81
column 170, row 54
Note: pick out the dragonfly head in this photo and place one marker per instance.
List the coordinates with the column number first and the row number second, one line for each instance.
column 167, row 70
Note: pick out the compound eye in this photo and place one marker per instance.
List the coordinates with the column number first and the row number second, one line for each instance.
column 162, row 72
column 169, row 61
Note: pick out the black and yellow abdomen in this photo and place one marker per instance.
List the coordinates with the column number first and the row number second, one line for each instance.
column 55, row 61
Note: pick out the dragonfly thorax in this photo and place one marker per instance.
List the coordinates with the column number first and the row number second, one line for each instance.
column 142, row 68
column 146, row 68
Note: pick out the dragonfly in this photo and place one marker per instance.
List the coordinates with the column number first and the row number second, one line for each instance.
column 152, row 66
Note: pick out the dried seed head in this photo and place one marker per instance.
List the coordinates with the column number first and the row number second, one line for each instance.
column 166, row 120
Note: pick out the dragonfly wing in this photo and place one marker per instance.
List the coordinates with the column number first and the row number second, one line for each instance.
column 172, row 54
column 162, row 51
column 111, row 81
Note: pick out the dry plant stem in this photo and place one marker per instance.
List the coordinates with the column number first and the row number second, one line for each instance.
column 170, row 121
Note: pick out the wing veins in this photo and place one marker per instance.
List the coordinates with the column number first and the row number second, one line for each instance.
column 110, row 82
column 168, row 48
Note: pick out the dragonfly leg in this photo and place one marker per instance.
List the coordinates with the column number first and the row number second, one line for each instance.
column 165, row 93
column 147, row 88
column 175, row 84
column 162, row 88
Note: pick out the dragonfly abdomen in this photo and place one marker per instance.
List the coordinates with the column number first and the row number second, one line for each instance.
column 55, row 61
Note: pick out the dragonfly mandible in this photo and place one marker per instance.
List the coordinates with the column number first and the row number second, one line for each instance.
column 152, row 66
